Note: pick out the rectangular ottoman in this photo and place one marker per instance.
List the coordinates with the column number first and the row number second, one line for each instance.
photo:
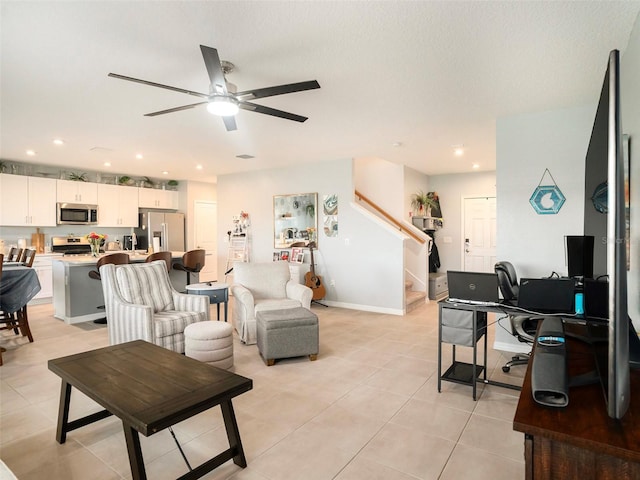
column 290, row 332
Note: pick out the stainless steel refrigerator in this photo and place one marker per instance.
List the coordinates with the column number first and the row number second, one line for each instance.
column 167, row 227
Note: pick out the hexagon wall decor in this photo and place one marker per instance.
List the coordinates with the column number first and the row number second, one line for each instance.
column 547, row 199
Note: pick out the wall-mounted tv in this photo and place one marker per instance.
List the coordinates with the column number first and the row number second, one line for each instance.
column 606, row 201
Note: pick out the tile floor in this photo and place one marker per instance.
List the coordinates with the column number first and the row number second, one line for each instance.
column 367, row 409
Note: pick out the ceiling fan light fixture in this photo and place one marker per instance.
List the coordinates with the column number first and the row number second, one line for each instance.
column 223, row 106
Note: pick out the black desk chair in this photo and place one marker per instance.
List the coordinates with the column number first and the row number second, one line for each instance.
column 192, row 262
column 523, row 327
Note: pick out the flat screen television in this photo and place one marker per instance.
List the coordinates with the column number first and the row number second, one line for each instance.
column 605, row 217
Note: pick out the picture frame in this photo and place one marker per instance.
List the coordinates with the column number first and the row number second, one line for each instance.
column 276, row 256
column 299, row 258
column 284, row 255
column 294, row 253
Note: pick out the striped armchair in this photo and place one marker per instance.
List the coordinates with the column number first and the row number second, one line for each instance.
column 141, row 304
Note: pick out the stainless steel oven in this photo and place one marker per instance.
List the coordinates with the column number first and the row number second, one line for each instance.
column 77, row 214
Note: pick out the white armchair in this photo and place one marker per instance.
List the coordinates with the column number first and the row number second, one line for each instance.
column 263, row 286
column 142, row 304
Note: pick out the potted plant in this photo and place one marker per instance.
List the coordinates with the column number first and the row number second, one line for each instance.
column 124, row 180
column 423, row 202
column 78, row 177
column 173, row 184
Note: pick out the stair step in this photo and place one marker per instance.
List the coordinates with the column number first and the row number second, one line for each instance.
column 408, row 284
column 414, row 300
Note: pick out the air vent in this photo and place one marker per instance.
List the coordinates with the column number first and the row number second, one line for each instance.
column 101, row 149
column 245, row 156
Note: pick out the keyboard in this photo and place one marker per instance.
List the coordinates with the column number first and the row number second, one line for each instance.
column 471, row 302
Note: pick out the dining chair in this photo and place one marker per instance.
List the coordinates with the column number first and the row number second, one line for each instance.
column 166, row 256
column 17, row 321
column 28, row 255
column 14, row 254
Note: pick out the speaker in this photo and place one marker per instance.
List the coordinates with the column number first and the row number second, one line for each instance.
column 580, row 255
column 549, row 379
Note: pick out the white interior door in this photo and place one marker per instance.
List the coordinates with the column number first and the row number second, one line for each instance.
column 206, row 228
column 479, row 246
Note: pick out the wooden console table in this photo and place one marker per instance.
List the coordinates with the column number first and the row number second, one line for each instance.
column 579, row 441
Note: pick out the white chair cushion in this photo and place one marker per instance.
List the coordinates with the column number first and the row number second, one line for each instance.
column 171, row 322
column 264, row 280
column 146, row 284
column 279, row 304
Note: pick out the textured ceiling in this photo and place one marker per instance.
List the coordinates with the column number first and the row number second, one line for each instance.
column 428, row 75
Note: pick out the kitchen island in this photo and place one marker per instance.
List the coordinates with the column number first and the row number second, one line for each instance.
column 77, row 297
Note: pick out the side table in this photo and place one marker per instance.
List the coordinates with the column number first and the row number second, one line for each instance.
column 217, row 292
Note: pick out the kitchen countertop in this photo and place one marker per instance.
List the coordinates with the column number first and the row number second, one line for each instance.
column 136, row 257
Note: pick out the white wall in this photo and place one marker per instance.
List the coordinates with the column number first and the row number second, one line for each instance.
column 380, row 181
column 362, row 260
column 451, row 189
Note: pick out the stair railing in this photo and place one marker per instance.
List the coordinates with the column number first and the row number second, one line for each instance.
column 389, row 218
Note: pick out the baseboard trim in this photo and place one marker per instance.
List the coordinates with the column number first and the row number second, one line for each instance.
column 364, row 308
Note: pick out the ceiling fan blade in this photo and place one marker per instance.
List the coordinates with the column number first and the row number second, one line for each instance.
column 175, row 109
column 214, row 69
column 277, row 90
column 159, row 85
column 254, row 107
column 230, row 123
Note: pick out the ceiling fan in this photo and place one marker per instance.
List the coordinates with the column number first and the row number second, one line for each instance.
column 223, row 100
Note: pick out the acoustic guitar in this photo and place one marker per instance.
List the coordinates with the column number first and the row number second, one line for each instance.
column 313, row 281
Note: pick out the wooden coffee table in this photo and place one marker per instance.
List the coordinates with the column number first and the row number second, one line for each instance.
column 149, row 388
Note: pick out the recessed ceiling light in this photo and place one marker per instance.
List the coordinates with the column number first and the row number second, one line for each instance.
column 58, row 141
column 31, row 153
column 198, row 167
column 107, row 164
column 165, row 173
column 396, row 144
column 475, row 165
column 139, row 156
column 458, row 150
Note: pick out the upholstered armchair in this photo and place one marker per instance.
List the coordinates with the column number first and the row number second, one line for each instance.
column 263, row 286
column 142, row 304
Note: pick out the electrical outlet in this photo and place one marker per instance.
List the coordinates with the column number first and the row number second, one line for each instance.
column 346, row 242
column 332, row 283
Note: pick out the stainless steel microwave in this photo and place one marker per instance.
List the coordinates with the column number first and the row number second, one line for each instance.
column 76, row 214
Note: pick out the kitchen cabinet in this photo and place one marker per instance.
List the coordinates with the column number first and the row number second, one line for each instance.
column 157, row 198
column 27, row 201
column 69, row 191
column 42, row 264
column 117, row 206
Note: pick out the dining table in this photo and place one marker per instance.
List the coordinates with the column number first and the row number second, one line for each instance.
column 18, row 285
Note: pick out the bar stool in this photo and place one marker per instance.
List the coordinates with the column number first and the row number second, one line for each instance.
column 116, row 259
column 166, row 256
column 192, row 262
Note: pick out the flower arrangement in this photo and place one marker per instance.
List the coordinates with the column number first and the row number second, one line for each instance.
column 312, row 234
column 95, row 240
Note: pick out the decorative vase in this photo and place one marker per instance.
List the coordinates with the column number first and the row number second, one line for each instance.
column 95, row 249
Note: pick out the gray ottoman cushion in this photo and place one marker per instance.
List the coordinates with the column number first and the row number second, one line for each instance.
column 289, row 332
column 210, row 342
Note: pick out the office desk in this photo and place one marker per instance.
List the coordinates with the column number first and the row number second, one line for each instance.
column 463, row 324
column 149, row 388
column 580, row 440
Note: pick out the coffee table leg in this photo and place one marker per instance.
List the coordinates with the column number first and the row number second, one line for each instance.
column 135, row 452
column 233, row 434
column 63, row 412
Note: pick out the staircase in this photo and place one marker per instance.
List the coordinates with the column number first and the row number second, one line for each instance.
column 413, row 299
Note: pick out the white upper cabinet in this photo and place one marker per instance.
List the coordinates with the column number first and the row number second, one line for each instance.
column 27, row 201
column 117, row 206
column 157, row 198
column 70, row 191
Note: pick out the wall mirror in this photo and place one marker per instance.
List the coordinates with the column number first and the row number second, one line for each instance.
column 295, row 219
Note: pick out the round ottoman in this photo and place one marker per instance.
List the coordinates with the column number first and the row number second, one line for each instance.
column 210, row 342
